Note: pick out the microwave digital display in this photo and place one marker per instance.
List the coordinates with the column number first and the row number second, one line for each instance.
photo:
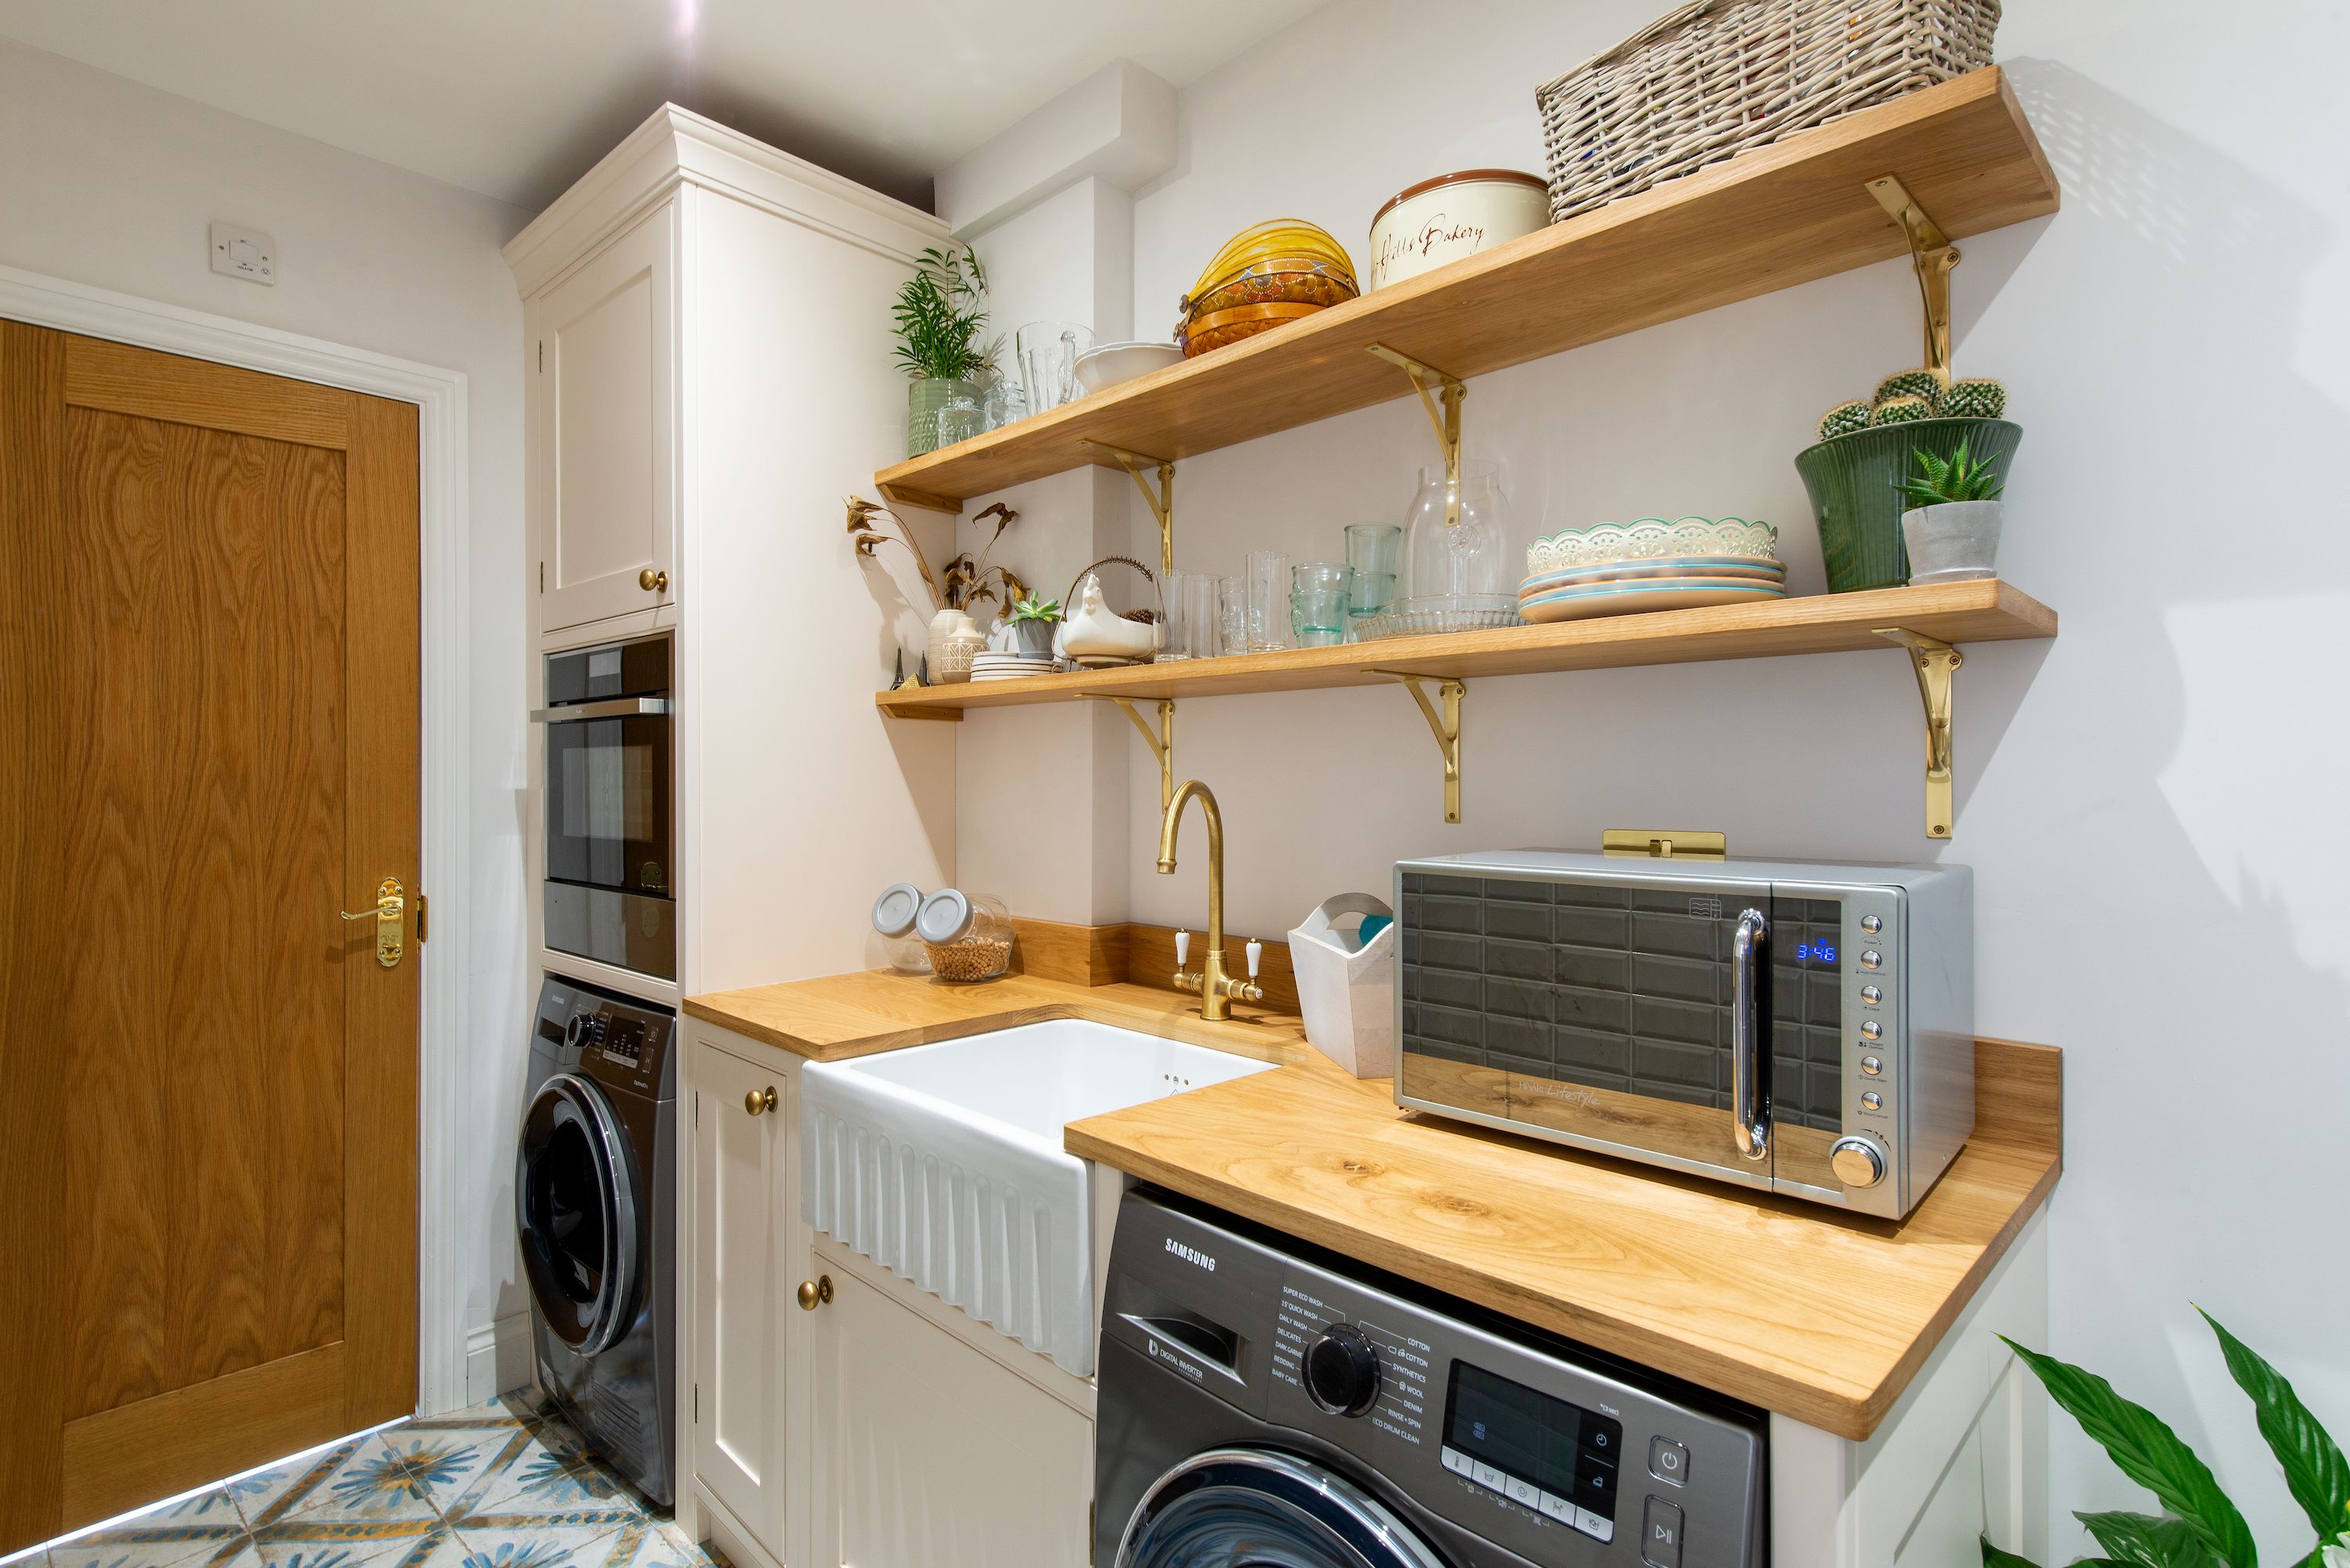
column 1816, row 952
column 1560, row 1448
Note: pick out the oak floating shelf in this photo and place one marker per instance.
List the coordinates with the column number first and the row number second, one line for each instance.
column 1988, row 611
column 1767, row 220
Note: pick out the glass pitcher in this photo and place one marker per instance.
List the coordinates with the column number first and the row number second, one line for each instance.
column 1461, row 567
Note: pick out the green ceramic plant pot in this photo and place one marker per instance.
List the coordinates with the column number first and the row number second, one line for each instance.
column 1854, row 481
column 924, row 398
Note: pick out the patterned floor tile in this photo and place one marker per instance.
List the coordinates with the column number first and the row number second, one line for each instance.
column 537, row 1483
column 448, row 1464
column 368, row 1485
column 138, row 1545
column 541, row 1546
column 654, row 1543
column 440, row 1548
column 266, row 1495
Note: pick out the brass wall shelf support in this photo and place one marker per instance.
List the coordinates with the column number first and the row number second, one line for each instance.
column 1160, row 741
column 1161, row 500
column 1445, row 421
column 1445, row 726
column 1935, row 662
column 1933, row 255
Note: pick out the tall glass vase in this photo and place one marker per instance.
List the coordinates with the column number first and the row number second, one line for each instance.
column 1463, row 564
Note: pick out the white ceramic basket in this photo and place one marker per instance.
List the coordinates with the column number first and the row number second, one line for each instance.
column 1346, row 992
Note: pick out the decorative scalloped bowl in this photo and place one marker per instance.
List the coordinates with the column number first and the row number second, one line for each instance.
column 1650, row 538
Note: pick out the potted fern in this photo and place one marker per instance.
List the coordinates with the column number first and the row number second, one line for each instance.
column 938, row 327
column 1952, row 526
column 2200, row 1527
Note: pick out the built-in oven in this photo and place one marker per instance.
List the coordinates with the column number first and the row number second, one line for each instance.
column 610, row 823
column 1805, row 1028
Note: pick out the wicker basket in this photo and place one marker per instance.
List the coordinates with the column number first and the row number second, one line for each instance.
column 1718, row 76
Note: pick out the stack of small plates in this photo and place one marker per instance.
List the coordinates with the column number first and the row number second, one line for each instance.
column 1652, row 565
column 1007, row 667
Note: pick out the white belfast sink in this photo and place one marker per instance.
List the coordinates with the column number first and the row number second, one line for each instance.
column 943, row 1163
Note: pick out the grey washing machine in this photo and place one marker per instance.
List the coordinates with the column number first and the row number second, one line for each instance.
column 596, row 1204
column 1264, row 1403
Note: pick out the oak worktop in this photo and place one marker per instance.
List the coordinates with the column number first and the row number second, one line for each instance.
column 1816, row 1315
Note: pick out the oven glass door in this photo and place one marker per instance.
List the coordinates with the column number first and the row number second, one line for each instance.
column 607, row 804
column 1613, row 1014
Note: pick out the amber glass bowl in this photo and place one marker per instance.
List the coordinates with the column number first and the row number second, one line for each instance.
column 1274, row 272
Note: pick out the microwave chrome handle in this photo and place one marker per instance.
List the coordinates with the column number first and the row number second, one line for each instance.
column 1751, row 1124
column 619, row 707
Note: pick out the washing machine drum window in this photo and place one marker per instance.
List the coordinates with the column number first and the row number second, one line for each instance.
column 1257, row 1508
column 575, row 1193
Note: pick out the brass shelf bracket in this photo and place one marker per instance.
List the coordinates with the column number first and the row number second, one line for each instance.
column 1161, row 500
column 1445, row 726
column 1935, row 662
column 1445, row 421
column 1160, row 741
column 1933, row 255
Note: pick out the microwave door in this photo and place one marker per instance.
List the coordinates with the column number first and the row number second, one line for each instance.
column 1600, row 1014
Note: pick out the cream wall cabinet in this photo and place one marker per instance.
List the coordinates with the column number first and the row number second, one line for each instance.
column 603, row 350
column 936, row 1439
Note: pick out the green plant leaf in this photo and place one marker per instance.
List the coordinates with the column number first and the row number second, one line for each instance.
column 2143, row 1540
column 2150, row 1453
column 1994, row 1558
column 2314, row 1470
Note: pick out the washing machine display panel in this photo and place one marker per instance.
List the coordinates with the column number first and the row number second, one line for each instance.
column 1539, row 1452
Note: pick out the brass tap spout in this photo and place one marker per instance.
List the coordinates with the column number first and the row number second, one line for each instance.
column 1216, row 987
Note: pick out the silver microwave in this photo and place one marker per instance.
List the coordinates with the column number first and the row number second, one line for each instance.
column 1803, row 1028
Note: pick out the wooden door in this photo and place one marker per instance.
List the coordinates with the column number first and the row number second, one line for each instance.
column 604, row 373
column 739, row 1305
column 208, row 683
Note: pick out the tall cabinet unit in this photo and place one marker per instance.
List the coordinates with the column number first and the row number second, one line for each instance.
column 708, row 371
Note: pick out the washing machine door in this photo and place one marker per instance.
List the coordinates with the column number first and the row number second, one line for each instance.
column 1258, row 1507
column 576, row 1202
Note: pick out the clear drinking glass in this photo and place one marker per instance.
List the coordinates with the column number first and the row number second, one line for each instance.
column 1048, row 354
column 1317, row 603
column 1268, row 600
column 1372, row 550
column 1194, row 624
column 959, row 419
column 1231, row 615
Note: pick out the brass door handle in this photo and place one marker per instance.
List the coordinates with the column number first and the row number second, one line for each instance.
column 653, row 582
column 759, row 1101
column 814, row 1293
column 391, row 934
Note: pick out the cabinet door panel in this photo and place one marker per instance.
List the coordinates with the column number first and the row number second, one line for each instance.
column 604, row 383
column 738, row 1372
column 927, row 1452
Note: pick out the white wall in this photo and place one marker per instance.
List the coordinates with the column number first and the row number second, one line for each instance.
column 2151, row 802
column 112, row 184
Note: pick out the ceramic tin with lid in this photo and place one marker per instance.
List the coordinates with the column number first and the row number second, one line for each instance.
column 1452, row 216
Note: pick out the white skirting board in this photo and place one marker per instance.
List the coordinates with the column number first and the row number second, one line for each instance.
column 497, row 1357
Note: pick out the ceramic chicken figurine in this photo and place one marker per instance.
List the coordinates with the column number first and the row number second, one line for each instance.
column 1097, row 631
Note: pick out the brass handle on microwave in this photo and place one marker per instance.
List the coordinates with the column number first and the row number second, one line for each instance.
column 1750, row 1122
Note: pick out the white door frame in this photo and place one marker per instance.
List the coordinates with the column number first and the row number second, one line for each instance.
column 442, row 476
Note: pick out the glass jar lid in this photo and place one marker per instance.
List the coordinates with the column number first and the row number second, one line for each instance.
column 894, row 910
column 945, row 917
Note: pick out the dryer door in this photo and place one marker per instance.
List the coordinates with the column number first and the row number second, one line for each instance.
column 1257, row 1508
column 576, row 1202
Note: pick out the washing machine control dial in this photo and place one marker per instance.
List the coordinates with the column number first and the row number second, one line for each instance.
column 1342, row 1370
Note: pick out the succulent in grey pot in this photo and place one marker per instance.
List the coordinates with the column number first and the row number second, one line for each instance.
column 1951, row 528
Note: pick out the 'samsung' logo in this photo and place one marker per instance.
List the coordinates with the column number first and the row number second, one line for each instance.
column 1191, row 1254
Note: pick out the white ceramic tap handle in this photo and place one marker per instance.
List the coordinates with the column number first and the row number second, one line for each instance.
column 1182, row 946
column 1256, row 954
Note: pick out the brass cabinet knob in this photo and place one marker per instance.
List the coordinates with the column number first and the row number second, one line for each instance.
column 814, row 1293
column 653, row 582
column 759, row 1100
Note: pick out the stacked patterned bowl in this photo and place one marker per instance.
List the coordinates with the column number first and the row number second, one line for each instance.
column 1622, row 568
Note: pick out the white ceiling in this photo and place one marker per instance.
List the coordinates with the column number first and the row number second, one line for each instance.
column 515, row 98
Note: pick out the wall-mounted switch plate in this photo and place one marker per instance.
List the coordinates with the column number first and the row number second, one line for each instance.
column 243, row 252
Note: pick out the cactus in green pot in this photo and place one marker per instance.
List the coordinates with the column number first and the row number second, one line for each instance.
column 1976, row 398
column 1901, row 411
column 1926, row 384
column 1845, row 418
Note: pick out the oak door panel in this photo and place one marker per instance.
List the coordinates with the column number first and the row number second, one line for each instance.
column 211, row 575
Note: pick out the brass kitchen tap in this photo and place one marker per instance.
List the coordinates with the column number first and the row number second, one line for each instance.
column 1217, row 989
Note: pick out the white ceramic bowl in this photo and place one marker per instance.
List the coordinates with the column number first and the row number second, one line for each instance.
column 1650, row 538
column 1101, row 369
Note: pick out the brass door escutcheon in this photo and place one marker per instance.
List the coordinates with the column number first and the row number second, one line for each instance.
column 391, row 935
